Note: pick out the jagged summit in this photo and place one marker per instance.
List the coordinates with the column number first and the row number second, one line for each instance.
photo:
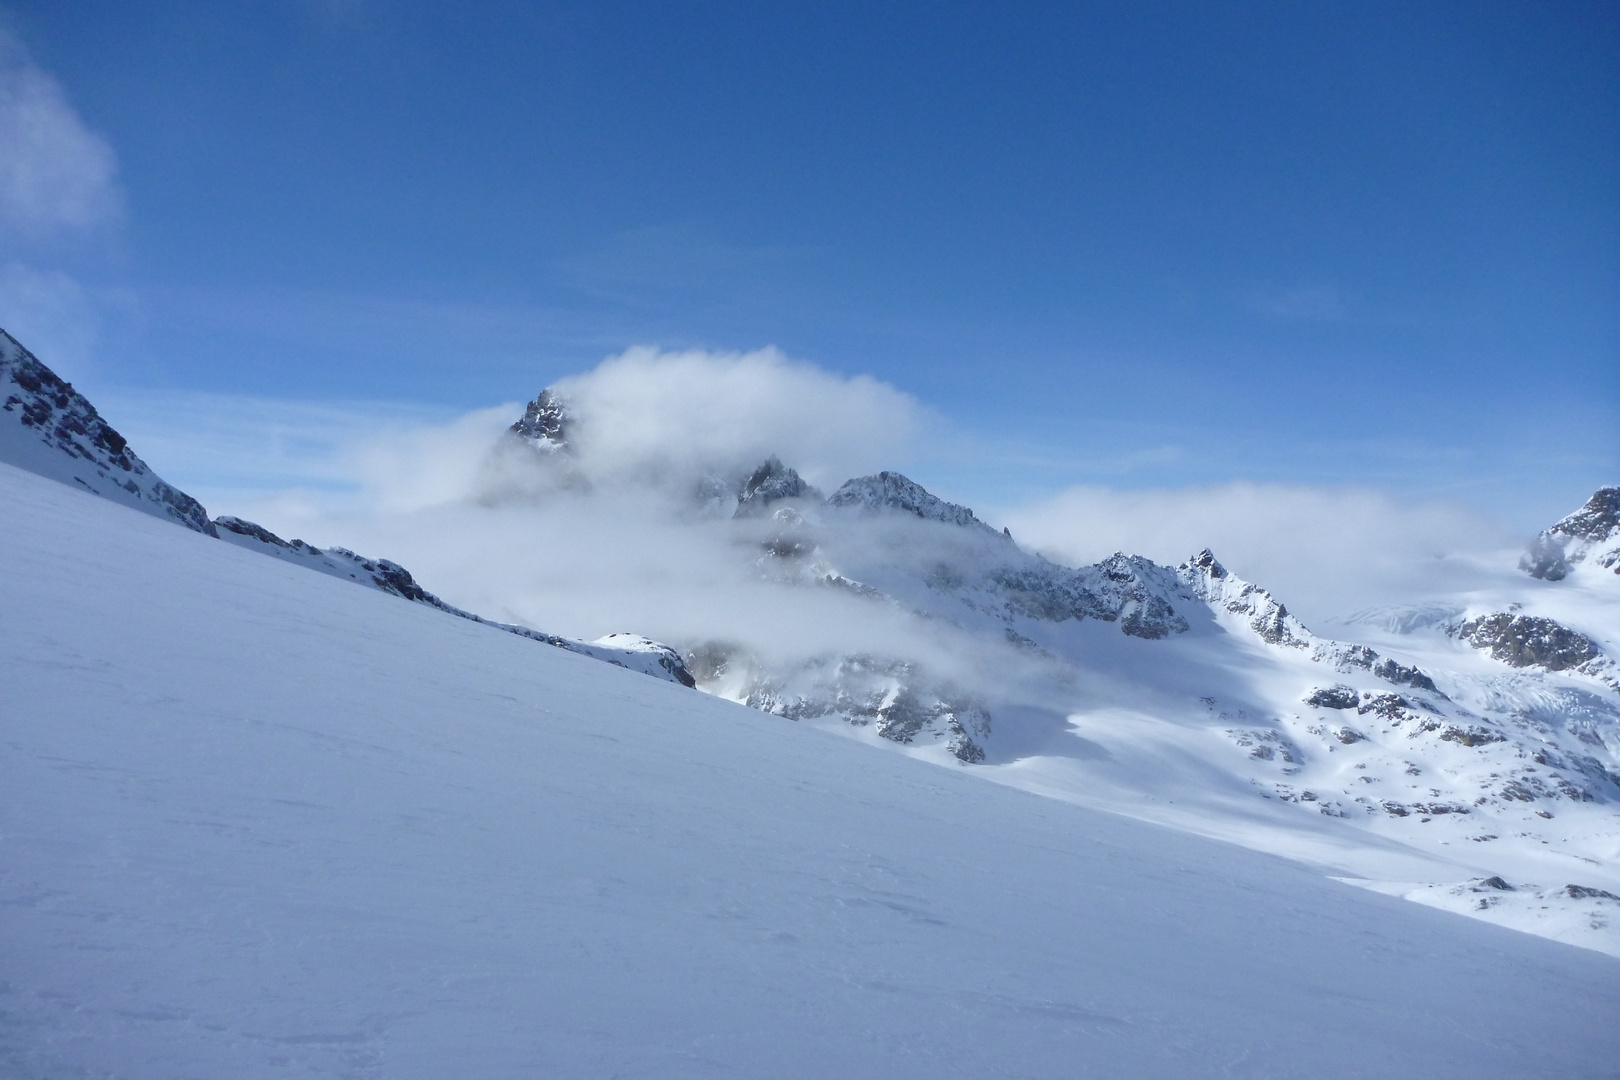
column 51, row 429
column 890, row 490
column 771, row 482
column 1590, row 535
column 545, row 423
column 1267, row 616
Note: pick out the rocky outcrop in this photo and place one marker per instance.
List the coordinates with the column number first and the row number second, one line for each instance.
column 1529, row 641
column 48, row 427
column 1137, row 593
column 1333, row 697
column 895, row 698
column 1212, row 583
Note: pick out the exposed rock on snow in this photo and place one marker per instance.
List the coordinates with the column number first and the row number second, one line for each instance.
column 1529, row 641
column 545, row 424
column 48, row 427
column 1211, row 583
column 771, row 482
column 891, row 491
column 1591, row 536
column 1334, row 697
column 894, row 697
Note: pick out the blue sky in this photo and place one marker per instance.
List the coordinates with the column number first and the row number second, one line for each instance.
column 1148, row 245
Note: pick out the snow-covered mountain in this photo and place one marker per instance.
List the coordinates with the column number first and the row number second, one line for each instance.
column 51, row 429
column 258, row 823
column 1463, row 750
column 1588, row 538
column 1457, row 742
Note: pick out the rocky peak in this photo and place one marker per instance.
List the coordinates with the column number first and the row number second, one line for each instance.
column 1590, row 534
column 49, row 428
column 1598, row 520
column 770, row 483
column 1267, row 616
column 890, row 490
column 545, row 423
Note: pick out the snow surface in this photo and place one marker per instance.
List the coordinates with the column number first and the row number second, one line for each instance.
column 633, row 651
column 255, row 822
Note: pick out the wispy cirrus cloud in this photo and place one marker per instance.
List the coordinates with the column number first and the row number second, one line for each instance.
column 59, row 194
column 58, row 178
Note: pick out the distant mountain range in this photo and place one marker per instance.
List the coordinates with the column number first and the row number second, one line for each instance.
column 1464, row 752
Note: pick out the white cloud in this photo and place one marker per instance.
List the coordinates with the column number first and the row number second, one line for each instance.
column 1323, row 550
column 56, row 175
column 609, row 556
column 651, row 413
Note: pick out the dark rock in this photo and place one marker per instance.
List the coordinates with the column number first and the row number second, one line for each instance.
column 1582, row 892
column 67, row 423
column 1390, row 671
column 770, row 483
column 546, row 422
column 1333, row 697
column 1528, row 641
column 1472, row 736
column 1545, row 559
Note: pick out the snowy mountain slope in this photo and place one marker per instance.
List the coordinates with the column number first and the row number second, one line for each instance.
column 1444, row 784
column 1188, row 696
column 48, row 428
column 1588, row 539
column 625, row 650
column 256, row 823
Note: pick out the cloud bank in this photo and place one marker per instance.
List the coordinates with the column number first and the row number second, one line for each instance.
column 620, row 553
column 647, row 413
column 1324, row 550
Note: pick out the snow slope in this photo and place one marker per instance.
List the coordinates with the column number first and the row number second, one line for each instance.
column 1478, row 743
column 48, row 428
column 1190, row 697
column 255, row 822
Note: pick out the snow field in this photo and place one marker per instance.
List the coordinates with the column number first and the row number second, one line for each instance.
column 255, row 822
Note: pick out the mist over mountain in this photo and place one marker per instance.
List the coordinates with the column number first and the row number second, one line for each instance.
column 1462, row 735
